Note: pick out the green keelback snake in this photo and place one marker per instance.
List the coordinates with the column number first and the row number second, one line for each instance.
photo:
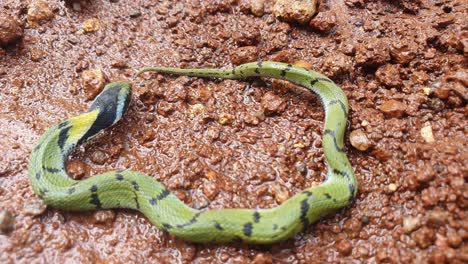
column 135, row 190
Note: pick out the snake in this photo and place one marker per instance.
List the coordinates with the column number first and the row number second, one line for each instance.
column 135, row 190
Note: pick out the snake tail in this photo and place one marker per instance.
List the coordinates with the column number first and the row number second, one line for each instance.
column 135, row 190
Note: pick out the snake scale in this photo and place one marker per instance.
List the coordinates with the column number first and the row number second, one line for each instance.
column 135, row 190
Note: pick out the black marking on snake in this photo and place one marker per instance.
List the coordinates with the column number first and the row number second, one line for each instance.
column 63, row 136
column 191, row 222
column 37, row 147
column 71, row 190
column 275, row 226
column 259, row 64
column 94, row 196
column 153, row 201
column 327, row 195
column 38, row 175
column 304, row 210
column 256, row 217
column 351, row 186
column 332, row 134
column 248, row 229
column 286, row 69
column 43, row 191
column 163, row 194
column 313, row 82
column 62, row 124
column 283, row 228
column 343, row 107
column 308, row 193
column 234, row 71
column 166, row 226
column 218, row 226
column 136, row 201
column 93, row 188
column 95, row 200
column 135, row 186
column 119, row 177
column 50, row 169
column 106, row 104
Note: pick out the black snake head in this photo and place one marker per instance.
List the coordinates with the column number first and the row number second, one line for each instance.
column 112, row 103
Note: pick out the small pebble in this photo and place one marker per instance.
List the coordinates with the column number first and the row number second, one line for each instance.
column 393, row 108
column 35, row 207
column 91, row 25
column 244, row 54
column 281, row 194
column 225, row 118
column 272, row 103
column 344, row 247
column 93, row 81
column 77, row 169
column 257, row 7
column 195, row 110
column 99, row 157
column 38, row 12
column 392, row 187
column 104, row 216
column 10, row 30
column 426, row 133
column 262, row 258
column 359, row 140
column 298, row 11
column 411, row 223
column 7, row 221
column 135, row 14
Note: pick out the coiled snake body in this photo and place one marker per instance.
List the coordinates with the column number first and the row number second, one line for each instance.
column 134, row 190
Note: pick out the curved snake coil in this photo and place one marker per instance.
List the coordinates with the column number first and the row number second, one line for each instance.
column 130, row 189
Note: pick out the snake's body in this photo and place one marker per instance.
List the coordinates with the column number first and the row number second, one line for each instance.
column 134, row 190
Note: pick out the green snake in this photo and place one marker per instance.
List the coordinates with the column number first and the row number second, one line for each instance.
column 135, row 190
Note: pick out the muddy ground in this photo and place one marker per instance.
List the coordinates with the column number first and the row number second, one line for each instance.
column 249, row 144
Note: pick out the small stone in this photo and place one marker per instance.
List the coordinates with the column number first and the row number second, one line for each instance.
column 427, row 91
column 91, row 25
column 372, row 53
column 393, row 108
column 257, row 7
column 337, row 64
column 7, row 221
column 244, row 54
column 38, row 12
column 392, row 187
column 225, row 119
column 454, row 239
column 36, row 54
column 281, row 194
column 200, row 202
column 344, row 247
column 104, row 217
column 99, row 157
column 135, row 14
column 165, row 108
column 262, row 258
column 426, row 133
column 411, row 223
column 389, row 75
column 195, row 110
column 303, row 64
column 424, row 237
column 210, row 189
column 272, row 103
column 10, row 30
column 403, row 53
column 323, row 22
column 437, row 217
column 93, row 81
column 35, row 207
column 77, row 169
column 299, row 11
column 359, row 140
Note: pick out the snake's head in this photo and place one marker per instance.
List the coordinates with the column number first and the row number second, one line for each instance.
column 112, row 103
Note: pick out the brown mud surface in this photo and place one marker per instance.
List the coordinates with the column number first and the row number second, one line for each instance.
column 249, row 144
